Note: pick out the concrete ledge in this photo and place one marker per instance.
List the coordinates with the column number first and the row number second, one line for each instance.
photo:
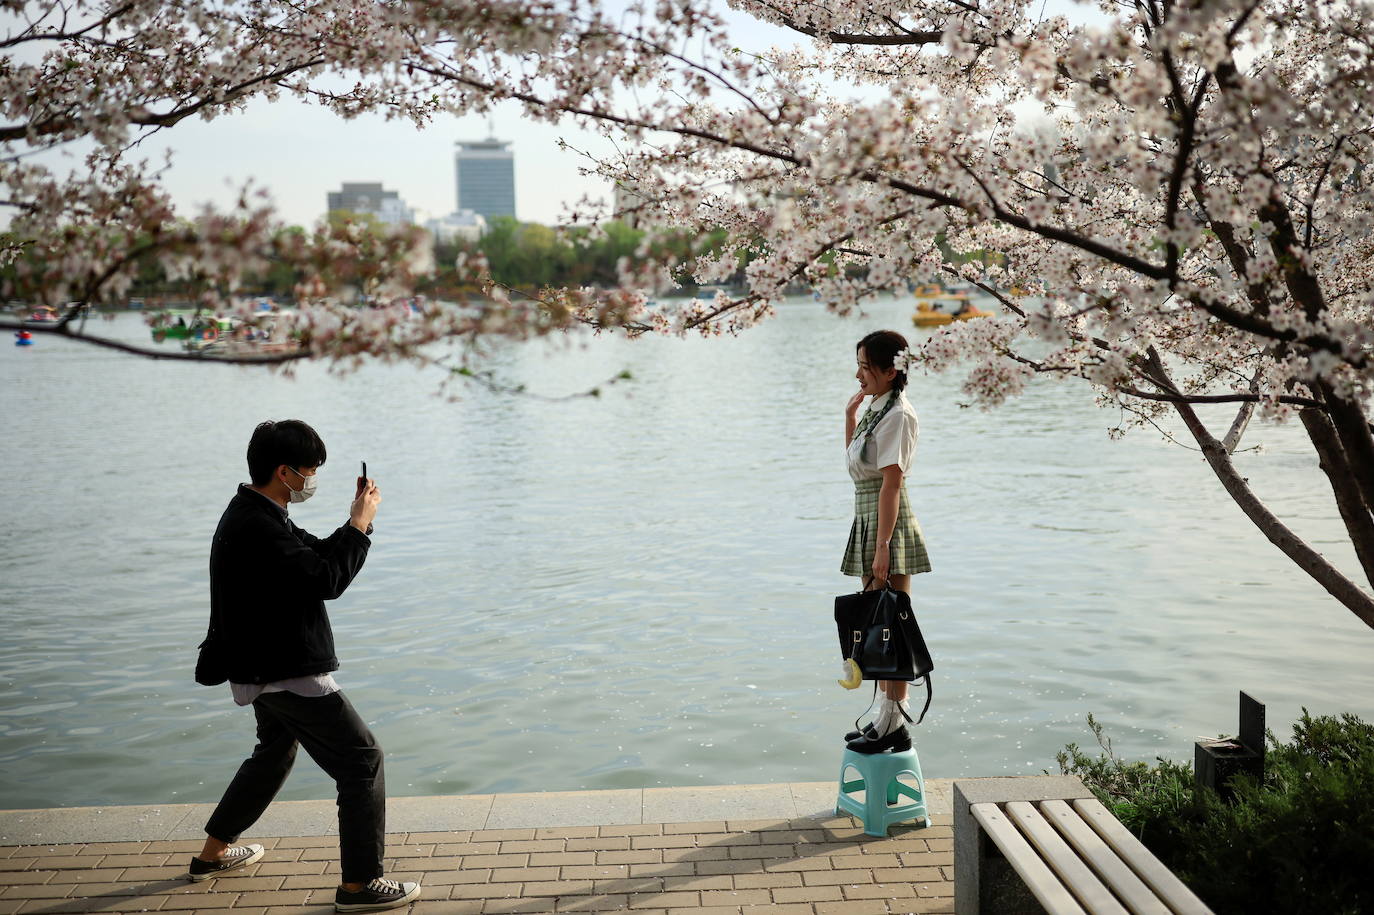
column 968, row 791
column 62, row 825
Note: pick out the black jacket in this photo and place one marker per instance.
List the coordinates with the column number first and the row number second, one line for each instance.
column 268, row 583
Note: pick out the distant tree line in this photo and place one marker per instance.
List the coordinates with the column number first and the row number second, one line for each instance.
column 524, row 256
column 529, row 256
column 151, row 282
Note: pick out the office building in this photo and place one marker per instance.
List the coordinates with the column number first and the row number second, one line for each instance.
column 386, row 206
column 485, row 172
column 465, row 225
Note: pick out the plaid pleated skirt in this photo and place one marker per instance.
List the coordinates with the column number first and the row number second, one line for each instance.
column 908, row 547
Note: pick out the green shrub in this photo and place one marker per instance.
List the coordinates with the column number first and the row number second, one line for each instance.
column 1300, row 841
column 1135, row 792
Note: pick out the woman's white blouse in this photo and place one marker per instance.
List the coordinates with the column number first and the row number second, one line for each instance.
column 893, row 441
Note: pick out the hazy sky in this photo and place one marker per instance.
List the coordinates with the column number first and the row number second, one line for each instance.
column 299, row 151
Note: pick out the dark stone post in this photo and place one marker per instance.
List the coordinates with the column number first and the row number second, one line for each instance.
column 1216, row 761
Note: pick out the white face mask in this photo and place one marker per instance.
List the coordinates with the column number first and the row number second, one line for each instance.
column 307, row 487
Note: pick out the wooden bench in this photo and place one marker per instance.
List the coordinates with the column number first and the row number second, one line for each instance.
column 1044, row 843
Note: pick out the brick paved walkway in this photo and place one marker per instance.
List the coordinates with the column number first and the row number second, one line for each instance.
column 818, row 865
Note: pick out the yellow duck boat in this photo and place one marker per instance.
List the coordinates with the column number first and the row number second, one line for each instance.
column 928, row 315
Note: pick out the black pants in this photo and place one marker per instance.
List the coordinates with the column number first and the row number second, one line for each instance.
column 338, row 740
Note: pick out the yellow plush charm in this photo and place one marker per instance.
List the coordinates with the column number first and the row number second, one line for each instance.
column 853, row 676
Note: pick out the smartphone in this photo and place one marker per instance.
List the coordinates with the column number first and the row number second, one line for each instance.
column 364, row 470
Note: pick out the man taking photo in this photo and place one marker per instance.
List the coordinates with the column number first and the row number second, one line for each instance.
column 270, row 635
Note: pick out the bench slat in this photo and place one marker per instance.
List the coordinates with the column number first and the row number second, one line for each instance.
column 1042, row 883
column 1150, row 869
column 1121, row 879
column 1081, row 881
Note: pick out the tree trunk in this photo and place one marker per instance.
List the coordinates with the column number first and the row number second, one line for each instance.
column 1306, row 558
column 1238, row 426
column 1335, row 462
column 1353, row 430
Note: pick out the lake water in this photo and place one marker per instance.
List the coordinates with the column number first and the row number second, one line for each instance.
column 635, row 590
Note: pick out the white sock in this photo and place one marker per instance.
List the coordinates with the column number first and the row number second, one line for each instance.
column 886, row 722
column 890, row 716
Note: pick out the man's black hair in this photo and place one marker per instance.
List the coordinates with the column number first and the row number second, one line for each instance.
column 288, row 441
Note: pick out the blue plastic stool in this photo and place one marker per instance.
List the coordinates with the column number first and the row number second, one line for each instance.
column 883, row 802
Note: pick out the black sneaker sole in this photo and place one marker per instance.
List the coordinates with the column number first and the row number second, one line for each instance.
column 379, row 906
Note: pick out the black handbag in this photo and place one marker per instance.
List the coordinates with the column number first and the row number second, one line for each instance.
column 212, row 664
column 878, row 631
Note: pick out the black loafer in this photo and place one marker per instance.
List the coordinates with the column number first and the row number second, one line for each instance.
column 898, row 741
column 869, row 731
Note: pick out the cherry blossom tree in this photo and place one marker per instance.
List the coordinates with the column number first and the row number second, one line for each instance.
column 1172, row 203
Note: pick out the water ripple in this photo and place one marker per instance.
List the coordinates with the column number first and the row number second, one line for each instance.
column 636, row 590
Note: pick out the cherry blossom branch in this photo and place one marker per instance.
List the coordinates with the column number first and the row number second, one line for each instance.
column 1186, row 115
column 63, row 35
column 1254, row 324
column 597, row 322
column 1236, row 253
column 907, row 36
column 62, row 330
column 1052, row 233
column 1171, row 397
column 598, row 114
column 1144, row 417
column 143, row 118
column 715, row 74
column 1224, row 398
column 1310, row 204
column 1003, row 214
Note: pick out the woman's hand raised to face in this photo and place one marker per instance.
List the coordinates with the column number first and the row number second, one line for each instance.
column 852, row 408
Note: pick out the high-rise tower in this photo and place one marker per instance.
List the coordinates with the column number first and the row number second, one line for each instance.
column 485, row 171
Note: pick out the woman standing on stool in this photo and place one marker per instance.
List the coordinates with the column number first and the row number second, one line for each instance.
column 885, row 542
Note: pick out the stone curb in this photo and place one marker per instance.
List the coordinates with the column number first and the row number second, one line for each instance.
column 171, row 822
